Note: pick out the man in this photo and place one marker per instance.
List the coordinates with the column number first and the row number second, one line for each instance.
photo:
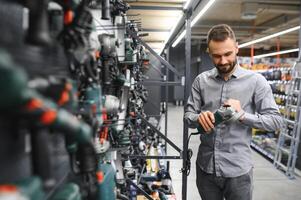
column 224, row 163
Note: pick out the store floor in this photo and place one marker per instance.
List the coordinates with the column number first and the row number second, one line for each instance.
column 269, row 183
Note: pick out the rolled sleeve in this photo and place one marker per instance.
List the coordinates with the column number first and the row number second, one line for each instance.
column 267, row 115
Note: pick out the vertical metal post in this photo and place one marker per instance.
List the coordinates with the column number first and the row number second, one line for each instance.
column 186, row 94
column 299, row 55
column 252, row 55
column 278, row 61
column 166, row 97
column 297, row 142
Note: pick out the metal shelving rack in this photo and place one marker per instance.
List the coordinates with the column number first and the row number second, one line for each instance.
column 288, row 141
column 294, row 138
column 164, row 82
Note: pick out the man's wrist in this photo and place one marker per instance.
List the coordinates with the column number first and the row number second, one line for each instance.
column 242, row 117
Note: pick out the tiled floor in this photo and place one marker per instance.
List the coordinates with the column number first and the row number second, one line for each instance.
column 269, row 183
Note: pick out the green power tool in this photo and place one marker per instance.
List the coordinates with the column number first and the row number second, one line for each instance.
column 32, row 188
column 224, row 114
column 28, row 188
column 106, row 182
column 20, row 100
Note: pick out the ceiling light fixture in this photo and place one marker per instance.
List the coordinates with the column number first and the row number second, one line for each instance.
column 176, row 42
column 276, row 53
column 186, row 4
column 194, row 21
column 171, row 32
column 269, row 37
column 173, row 28
column 202, row 12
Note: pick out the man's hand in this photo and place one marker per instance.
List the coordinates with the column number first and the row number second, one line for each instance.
column 207, row 120
column 234, row 104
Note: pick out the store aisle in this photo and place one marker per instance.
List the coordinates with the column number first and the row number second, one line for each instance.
column 269, row 183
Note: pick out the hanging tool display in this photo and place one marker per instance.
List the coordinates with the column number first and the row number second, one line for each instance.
column 96, row 108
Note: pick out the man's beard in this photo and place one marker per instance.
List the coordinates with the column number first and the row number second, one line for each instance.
column 222, row 69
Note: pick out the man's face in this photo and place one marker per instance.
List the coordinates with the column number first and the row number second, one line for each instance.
column 223, row 54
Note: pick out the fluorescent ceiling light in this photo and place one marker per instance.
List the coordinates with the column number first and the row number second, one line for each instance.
column 171, row 32
column 186, row 4
column 202, row 12
column 276, row 53
column 195, row 19
column 179, row 39
column 173, row 28
column 269, row 37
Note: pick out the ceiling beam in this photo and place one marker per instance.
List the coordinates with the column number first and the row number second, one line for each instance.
column 154, row 30
column 284, row 2
column 146, row 7
column 289, row 9
column 154, row 41
column 277, row 24
column 155, row 1
column 280, row 19
column 251, row 8
column 234, row 24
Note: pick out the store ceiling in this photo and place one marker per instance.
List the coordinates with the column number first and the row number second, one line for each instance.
column 157, row 18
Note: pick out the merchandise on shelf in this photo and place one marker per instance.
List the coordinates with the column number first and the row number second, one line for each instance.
column 280, row 78
column 94, row 98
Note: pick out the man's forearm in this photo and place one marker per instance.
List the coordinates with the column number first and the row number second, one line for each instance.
column 191, row 119
column 268, row 122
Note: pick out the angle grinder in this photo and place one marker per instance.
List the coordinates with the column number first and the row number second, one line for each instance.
column 224, row 114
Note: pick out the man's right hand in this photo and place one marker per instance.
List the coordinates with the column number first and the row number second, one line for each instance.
column 207, row 120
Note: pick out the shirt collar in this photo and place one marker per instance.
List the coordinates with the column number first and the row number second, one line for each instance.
column 237, row 72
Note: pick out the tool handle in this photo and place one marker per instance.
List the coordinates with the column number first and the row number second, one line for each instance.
column 218, row 119
column 38, row 30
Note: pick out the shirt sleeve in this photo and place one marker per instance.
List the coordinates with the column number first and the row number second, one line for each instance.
column 194, row 102
column 267, row 115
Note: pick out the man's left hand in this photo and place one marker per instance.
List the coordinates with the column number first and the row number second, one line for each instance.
column 234, row 104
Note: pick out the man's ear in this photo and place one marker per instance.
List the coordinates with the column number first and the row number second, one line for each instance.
column 236, row 48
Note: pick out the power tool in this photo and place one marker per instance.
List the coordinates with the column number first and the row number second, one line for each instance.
column 224, row 114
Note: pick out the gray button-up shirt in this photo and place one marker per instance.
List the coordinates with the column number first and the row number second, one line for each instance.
column 226, row 150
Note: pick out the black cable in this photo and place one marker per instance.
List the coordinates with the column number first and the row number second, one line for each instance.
column 189, row 155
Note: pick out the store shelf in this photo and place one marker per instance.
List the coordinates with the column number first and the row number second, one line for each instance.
column 292, row 106
column 262, row 151
column 277, row 81
column 289, row 121
column 296, row 92
column 260, row 70
column 285, row 150
column 288, row 136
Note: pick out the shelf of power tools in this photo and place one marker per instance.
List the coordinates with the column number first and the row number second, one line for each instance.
column 281, row 79
column 157, row 169
column 73, row 126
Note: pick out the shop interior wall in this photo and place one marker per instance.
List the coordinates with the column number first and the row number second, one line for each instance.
column 200, row 61
column 152, row 107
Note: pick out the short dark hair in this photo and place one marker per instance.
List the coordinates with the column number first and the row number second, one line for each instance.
column 220, row 33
